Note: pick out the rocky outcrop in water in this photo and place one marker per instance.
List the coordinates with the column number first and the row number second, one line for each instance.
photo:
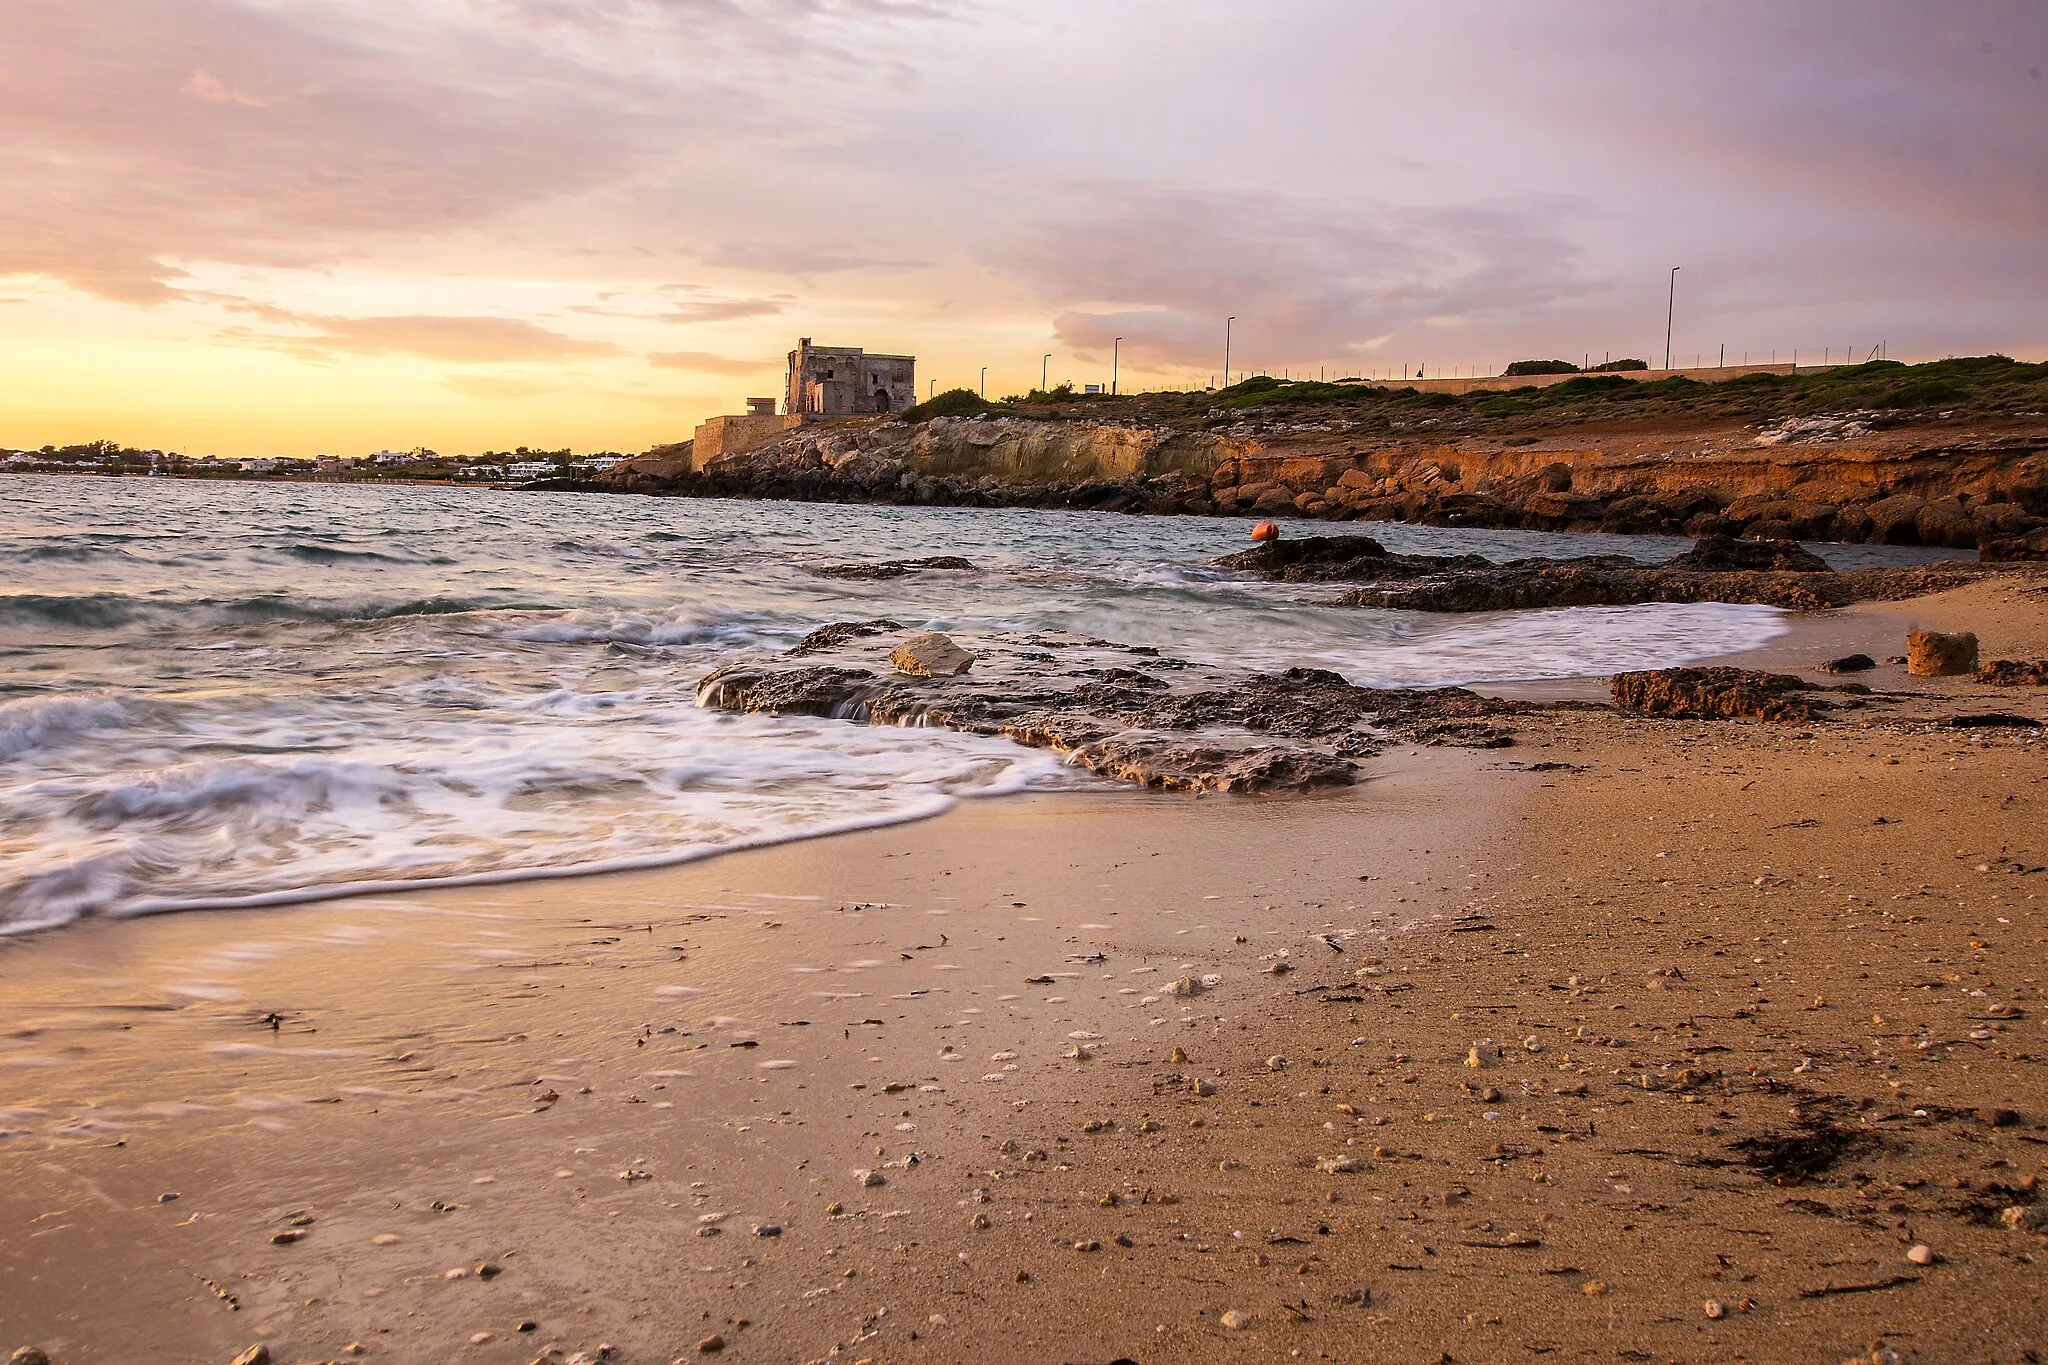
column 894, row 568
column 1126, row 712
column 1773, row 573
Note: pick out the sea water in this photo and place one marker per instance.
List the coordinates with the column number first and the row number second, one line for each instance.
column 217, row 693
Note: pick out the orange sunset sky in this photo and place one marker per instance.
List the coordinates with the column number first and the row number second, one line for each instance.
column 298, row 226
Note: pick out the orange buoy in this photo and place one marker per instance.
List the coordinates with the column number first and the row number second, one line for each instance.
column 1266, row 530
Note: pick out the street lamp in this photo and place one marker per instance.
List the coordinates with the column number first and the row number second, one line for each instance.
column 1115, row 356
column 984, row 382
column 1226, row 350
column 1042, row 367
column 1670, row 304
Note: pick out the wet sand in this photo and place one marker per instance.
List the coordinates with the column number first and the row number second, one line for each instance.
column 1762, row 1005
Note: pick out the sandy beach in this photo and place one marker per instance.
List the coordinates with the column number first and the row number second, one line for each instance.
column 1639, row 1040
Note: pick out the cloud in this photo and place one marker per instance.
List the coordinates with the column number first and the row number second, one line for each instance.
column 704, row 362
column 1892, row 109
column 136, row 135
column 785, row 259
column 1163, row 267
column 457, row 340
column 722, row 310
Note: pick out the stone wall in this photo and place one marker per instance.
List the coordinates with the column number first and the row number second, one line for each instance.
column 723, row 436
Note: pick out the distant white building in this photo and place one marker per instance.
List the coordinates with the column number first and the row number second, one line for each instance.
column 523, row 470
column 603, row 462
column 391, row 457
column 260, row 466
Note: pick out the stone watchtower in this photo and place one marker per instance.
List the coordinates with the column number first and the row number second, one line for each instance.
column 838, row 381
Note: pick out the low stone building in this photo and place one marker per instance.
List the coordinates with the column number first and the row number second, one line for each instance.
column 840, row 381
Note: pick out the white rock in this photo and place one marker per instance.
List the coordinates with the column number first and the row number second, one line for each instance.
column 1237, row 1320
column 1921, row 1255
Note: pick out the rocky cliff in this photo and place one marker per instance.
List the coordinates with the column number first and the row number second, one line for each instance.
column 1817, row 478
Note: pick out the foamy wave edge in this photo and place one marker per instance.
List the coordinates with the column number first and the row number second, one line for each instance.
column 937, row 804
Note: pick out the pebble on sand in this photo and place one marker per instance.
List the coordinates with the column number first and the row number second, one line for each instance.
column 29, row 1355
column 871, row 1179
column 1714, row 1309
column 1237, row 1320
column 711, row 1344
column 1921, row 1255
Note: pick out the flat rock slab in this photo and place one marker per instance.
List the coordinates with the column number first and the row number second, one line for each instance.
column 929, row 654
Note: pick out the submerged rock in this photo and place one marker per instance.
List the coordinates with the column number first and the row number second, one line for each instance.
column 894, row 568
column 839, row 632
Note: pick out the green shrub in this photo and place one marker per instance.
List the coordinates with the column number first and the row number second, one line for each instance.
column 1541, row 367
column 1926, row 393
column 1613, row 366
column 951, row 403
column 1589, row 386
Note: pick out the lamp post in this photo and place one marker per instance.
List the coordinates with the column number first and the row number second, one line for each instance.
column 1043, row 366
column 1226, row 350
column 1670, row 306
column 1115, row 355
column 984, row 382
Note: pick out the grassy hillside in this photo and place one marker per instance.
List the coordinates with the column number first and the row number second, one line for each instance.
column 1882, row 394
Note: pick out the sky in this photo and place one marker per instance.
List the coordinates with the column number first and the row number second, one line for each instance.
column 248, row 227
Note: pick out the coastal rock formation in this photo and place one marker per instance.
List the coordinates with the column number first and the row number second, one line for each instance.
column 1122, row 711
column 1816, row 479
column 1714, row 694
column 1781, row 574
column 1933, row 654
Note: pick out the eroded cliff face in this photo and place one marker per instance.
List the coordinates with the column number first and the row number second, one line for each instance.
column 1065, row 452
column 1813, row 479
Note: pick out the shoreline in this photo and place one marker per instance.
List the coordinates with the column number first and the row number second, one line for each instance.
column 417, row 1036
